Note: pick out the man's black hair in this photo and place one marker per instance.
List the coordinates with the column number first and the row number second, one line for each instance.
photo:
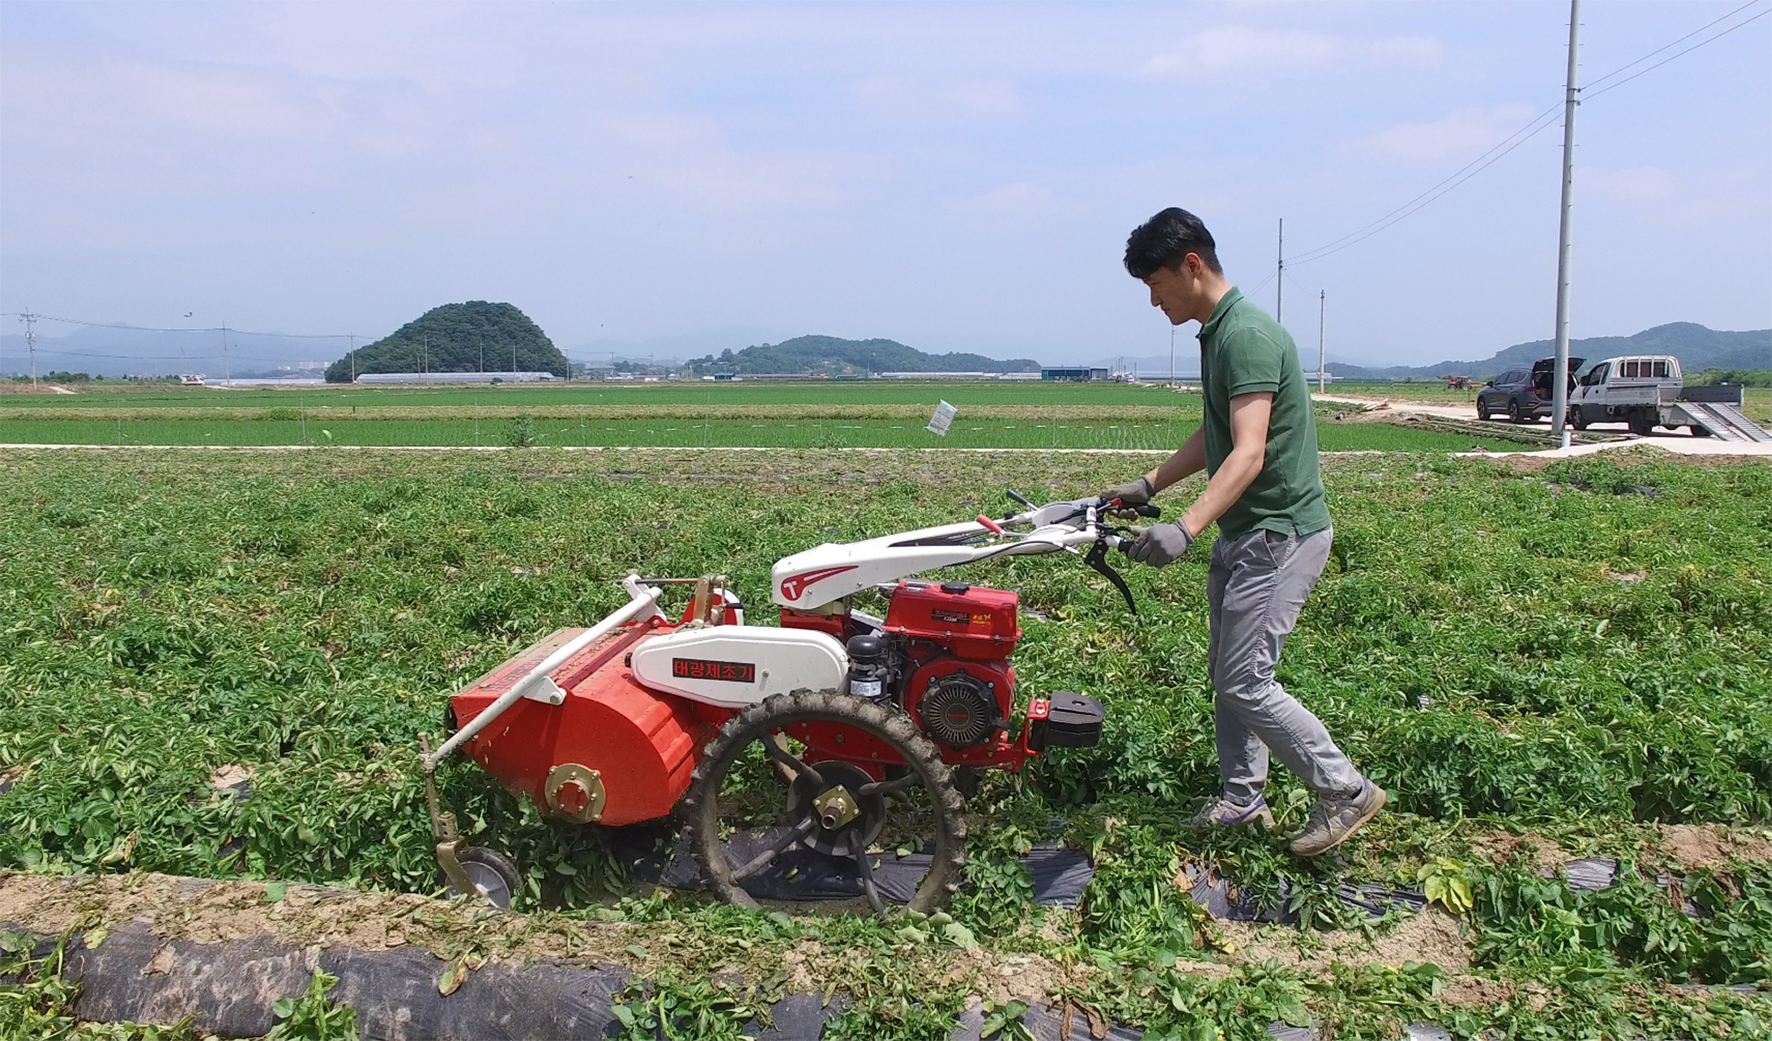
column 1167, row 238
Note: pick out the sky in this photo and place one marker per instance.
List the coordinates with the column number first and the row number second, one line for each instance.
column 959, row 177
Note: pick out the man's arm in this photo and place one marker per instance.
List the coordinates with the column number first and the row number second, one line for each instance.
column 1249, row 419
column 1188, row 460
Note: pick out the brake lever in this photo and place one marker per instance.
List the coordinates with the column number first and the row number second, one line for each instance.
column 1096, row 558
column 1116, row 507
column 1016, row 496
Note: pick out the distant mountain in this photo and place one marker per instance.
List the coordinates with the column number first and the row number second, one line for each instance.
column 107, row 351
column 1696, row 346
column 835, row 356
column 671, row 349
column 472, row 337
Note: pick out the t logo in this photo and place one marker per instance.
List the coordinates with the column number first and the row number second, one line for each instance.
column 793, row 587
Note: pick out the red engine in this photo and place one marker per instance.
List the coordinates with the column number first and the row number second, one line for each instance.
column 949, row 668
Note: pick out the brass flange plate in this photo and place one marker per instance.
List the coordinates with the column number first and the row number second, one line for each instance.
column 587, row 779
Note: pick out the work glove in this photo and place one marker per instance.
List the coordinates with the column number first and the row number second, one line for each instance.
column 1138, row 493
column 1161, row 545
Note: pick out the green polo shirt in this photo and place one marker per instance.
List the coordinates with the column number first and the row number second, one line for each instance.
column 1244, row 351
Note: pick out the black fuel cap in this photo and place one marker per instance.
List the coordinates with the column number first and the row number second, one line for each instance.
column 956, row 588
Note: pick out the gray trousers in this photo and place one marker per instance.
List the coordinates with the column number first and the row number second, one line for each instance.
column 1256, row 587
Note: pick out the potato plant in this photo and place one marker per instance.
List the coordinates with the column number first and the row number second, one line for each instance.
column 219, row 666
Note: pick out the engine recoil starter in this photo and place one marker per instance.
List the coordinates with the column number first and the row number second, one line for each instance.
column 959, row 711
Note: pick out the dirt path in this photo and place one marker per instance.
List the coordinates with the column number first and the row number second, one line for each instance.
column 1680, row 444
column 1466, row 412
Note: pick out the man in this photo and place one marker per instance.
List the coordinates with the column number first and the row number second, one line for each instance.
column 1258, row 443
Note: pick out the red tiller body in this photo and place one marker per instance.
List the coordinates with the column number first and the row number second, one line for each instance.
column 614, row 752
column 641, row 746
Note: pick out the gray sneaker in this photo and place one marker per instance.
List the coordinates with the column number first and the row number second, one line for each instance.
column 1223, row 813
column 1335, row 818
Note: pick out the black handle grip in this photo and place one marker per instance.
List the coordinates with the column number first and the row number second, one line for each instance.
column 1142, row 509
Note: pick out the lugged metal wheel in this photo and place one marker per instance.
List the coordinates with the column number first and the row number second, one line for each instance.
column 831, row 806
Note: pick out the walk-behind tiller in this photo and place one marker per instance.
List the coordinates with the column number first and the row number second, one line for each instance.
column 843, row 710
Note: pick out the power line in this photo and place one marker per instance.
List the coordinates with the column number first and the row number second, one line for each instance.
column 185, row 329
column 149, row 357
column 1599, row 80
column 1680, row 54
column 1379, row 224
column 1537, row 125
column 1420, row 202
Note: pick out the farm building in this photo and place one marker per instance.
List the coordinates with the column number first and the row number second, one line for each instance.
column 1075, row 374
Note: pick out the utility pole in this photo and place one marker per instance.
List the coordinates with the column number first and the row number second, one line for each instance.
column 1172, row 357
column 227, row 363
column 513, row 359
column 424, row 354
column 1280, row 271
column 1560, row 374
column 482, row 341
column 31, row 342
column 353, row 354
column 1322, row 308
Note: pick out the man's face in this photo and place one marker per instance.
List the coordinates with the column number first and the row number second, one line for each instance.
column 1176, row 292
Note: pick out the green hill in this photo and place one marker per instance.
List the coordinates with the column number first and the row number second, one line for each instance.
column 1696, row 346
column 839, row 357
column 473, row 337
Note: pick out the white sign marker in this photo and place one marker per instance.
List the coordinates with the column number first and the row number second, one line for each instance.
column 943, row 418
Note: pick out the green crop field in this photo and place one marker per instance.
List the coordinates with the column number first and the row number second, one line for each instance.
column 1758, row 406
column 688, row 433
column 1539, row 663
column 1436, row 393
column 804, row 415
column 514, row 396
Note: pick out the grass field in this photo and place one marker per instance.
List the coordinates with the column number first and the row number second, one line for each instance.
column 1528, row 659
column 832, row 415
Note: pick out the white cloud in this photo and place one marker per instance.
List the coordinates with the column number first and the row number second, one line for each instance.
column 691, row 160
column 1465, row 134
column 1231, row 49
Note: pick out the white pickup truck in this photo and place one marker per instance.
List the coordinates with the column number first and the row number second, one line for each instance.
column 1647, row 391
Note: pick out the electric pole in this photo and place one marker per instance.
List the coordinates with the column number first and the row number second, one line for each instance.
column 1560, row 374
column 353, row 355
column 227, row 363
column 482, row 342
column 1322, row 308
column 1172, row 357
column 31, row 343
column 1280, row 271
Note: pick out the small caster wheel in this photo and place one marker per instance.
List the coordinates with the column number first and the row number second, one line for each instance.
column 494, row 876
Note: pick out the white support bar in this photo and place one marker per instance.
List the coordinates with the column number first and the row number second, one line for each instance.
column 645, row 602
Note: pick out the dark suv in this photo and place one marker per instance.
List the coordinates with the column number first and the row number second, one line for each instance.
column 1522, row 394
